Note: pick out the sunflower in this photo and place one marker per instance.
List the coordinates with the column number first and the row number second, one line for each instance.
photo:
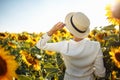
column 115, row 56
column 91, row 35
column 40, row 34
column 8, row 65
column 114, row 75
column 33, row 39
column 49, row 52
column 116, row 31
column 29, row 60
column 3, row 35
column 12, row 44
column 57, row 33
column 22, row 37
column 100, row 37
column 36, row 65
column 112, row 13
column 66, row 34
column 13, row 36
column 55, row 38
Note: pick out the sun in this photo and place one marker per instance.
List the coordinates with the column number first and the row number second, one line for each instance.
column 112, row 13
column 115, row 56
column 8, row 65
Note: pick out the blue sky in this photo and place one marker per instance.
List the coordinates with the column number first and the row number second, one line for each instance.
column 41, row 15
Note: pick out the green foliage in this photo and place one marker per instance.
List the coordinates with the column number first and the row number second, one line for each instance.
column 23, row 77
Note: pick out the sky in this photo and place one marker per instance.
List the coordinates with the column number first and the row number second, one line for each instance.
column 41, row 15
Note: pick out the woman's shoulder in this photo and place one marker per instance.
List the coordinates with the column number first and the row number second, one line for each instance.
column 95, row 43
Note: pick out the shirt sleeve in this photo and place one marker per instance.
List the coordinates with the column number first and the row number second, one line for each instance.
column 42, row 44
column 99, row 65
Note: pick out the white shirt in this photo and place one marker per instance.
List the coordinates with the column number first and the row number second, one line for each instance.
column 82, row 59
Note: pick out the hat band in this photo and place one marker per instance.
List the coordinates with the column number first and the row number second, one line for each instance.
column 75, row 26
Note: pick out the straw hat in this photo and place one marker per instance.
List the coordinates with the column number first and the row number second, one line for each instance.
column 78, row 24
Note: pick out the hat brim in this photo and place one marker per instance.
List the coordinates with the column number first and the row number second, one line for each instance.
column 72, row 30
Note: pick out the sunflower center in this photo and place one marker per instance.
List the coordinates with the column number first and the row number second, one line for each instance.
column 2, row 34
column 3, row 67
column 117, row 56
column 100, row 36
column 22, row 37
column 31, row 61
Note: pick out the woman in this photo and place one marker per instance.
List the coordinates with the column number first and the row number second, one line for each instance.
column 83, row 58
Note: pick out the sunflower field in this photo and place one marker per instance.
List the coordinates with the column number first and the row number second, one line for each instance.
column 24, row 61
column 20, row 59
column 19, row 54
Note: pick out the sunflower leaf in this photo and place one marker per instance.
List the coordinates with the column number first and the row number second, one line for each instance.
column 109, row 27
column 23, row 77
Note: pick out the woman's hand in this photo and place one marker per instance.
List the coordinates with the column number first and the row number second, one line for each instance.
column 55, row 28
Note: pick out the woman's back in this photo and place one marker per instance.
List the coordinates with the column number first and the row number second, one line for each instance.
column 80, row 57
